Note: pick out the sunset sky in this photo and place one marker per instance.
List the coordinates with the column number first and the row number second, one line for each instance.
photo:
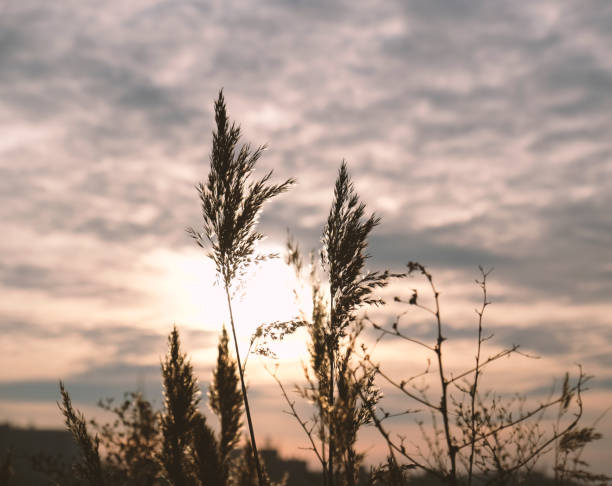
column 480, row 131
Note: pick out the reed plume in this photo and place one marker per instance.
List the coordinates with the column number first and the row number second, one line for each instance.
column 181, row 399
column 231, row 203
column 343, row 257
column 90, row 467
column 225, row 399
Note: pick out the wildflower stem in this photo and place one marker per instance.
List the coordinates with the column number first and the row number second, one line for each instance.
column 244, row 393
column 477, row 371
column 330, row 411
column 452, row 449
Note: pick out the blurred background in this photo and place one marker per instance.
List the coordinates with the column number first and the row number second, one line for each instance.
column 478, row 130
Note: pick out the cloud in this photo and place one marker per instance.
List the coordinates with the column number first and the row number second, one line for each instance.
column 478, row 130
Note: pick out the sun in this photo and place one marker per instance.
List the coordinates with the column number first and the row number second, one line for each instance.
column 273, row 293
column 189, row 295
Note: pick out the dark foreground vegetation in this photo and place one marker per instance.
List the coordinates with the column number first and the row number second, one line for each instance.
column 471, row 437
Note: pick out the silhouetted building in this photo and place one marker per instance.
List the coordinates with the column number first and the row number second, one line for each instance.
column 297, row 470
column 25, row 444
column 57, row 445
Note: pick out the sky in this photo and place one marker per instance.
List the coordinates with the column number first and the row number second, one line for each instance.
column 479, row 131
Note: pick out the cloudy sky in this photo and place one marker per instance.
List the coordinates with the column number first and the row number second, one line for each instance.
column 480, row 131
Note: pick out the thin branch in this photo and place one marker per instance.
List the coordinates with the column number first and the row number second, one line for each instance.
column 477, row 368
column 392, row 446
column 490, row 359
column 247, row 409
column 397, row 333
column 400, row 386
column 537, row 451
column 302, row 423
column 526, row 416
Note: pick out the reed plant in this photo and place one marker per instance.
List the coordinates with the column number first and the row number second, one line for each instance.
column 472, row 437
column 343, row 397
column 225, row 400
column 350, row 287
column 231, row 203
column 89, row 468
column 174, row 446
column 181, row 399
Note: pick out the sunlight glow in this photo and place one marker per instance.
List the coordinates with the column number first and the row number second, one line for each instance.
column 190, row 296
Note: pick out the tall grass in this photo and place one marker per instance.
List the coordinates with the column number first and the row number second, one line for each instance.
column 343, row 257
column 175, row 446
column 474, row 436
column 230, row 206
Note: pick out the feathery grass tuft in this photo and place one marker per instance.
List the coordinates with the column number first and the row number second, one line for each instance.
column 90, row 467
column 474, row 437
column 343, row 257
column 209, row 468
column 231, row 203
column 225, row 400
column 181, row 398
